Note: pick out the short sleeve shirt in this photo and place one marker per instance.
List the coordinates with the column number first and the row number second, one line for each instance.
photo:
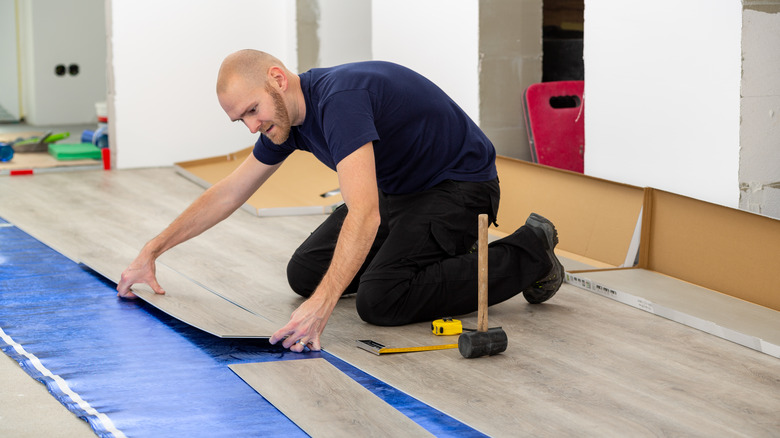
column 420, row 135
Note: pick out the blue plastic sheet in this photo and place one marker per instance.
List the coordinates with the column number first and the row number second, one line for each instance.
column 139, row 371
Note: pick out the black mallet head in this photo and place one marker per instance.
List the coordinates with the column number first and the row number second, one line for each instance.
column 478, row 344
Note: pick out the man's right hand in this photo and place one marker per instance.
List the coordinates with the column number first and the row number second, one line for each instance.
column 142, row 270
column 214, row 205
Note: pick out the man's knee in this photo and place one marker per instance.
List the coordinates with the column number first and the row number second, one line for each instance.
column 302, row 280
column 379, row 304
column 371, row 314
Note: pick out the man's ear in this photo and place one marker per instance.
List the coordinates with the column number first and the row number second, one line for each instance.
column 278, row 77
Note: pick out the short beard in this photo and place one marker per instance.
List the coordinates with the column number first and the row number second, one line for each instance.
column 282, row 123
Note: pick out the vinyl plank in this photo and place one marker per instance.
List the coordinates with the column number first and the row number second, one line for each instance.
column 194, row 304
column 324, row 402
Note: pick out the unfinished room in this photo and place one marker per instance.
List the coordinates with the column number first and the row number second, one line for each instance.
column 588, row 190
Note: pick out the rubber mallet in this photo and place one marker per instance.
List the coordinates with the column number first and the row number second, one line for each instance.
column 485, row 341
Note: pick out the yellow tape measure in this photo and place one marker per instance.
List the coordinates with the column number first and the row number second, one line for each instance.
column 446, row 327
column 377, row 348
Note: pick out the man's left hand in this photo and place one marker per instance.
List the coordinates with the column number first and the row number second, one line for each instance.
column 305, row 327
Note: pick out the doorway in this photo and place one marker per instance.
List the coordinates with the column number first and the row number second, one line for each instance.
column 562, row 40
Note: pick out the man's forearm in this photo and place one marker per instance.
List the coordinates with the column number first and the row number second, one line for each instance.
column 214, row 205
column 355, row 239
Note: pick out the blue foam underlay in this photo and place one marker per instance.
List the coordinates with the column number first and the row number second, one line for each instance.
column 149, row 373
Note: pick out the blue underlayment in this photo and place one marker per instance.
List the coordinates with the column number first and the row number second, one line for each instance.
column 139, row 371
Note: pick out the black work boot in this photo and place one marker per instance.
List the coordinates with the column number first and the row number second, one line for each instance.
column 548, row 285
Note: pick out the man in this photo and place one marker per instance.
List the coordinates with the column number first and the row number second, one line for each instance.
column 414, row 172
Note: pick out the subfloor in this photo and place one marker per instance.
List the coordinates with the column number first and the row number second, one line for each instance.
column 28, row 410
column 579, row 365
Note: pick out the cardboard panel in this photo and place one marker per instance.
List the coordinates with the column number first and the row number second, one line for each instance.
column 297, row 187
column 728, row 250
column 596, row 219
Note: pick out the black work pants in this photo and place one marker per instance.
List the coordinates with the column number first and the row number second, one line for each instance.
column 420, row 266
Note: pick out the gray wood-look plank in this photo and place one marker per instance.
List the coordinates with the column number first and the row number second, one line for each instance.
column 193, row 303
column 324, row 402
column 579, row 365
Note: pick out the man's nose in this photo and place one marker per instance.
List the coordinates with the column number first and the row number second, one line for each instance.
column 253, row 125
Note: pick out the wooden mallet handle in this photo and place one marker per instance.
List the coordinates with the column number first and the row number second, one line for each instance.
column 485, row 341
column 482, row 276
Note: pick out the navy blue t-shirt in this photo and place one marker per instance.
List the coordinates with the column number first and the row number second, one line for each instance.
column 421, row 137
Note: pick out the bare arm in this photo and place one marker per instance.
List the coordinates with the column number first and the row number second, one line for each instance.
column 357, row 180
column 214, row 205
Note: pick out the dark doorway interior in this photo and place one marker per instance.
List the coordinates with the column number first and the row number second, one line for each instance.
column 562, row 32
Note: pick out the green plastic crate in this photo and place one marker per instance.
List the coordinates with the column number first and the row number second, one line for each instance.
column 83, row 151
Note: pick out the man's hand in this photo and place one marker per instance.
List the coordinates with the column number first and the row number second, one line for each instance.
column 142, row 270
column 306, row 325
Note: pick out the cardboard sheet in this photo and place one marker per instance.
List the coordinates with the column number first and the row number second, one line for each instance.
column 732, row 251
column 302, row 185
column 597, row 220
column 323, row 401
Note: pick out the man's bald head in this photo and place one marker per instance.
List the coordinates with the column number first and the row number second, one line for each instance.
column 251, row 65
column 258, row 89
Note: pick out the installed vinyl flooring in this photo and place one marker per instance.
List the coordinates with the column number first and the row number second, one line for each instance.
column 579, row 365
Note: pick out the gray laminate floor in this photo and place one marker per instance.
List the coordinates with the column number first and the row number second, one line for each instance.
column 579, row 365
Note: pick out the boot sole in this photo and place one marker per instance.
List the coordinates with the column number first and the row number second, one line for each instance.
column 537, row 295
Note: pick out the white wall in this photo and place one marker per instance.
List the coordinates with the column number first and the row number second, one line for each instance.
column 9, row 77
column 166, row 55
column 662, row 95
column 165, row 62
column 437, row 38
column 52, row 34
